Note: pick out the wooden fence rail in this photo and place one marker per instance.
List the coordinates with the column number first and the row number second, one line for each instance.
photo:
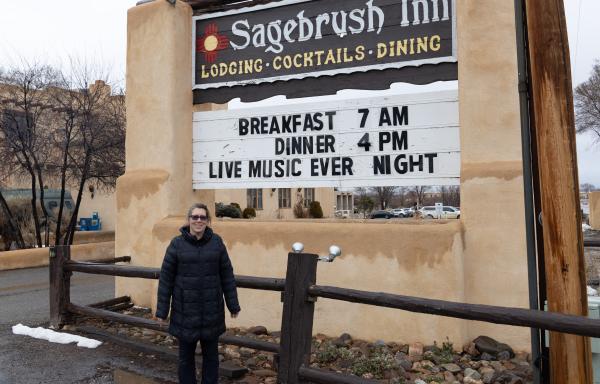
column 300, row 292
column 591, row 243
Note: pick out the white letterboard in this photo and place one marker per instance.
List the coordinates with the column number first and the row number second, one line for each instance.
column 384, row 141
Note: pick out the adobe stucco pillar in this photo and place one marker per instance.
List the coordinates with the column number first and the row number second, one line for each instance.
column 492, row 197
column 157, row 184
column 594, row 210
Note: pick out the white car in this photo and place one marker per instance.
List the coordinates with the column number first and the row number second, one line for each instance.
column 448, row 212
column 398, row 212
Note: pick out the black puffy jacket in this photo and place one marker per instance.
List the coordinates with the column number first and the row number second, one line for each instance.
column 194, row 277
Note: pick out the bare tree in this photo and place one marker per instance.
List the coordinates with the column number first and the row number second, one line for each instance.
column 587, row 104
column 450, row 195
column 401, row 197
column 11, row 231
column 383, row 195
column 25, row 103
column 93, row 140
column 587, row 187
column 59, row 128
column 418, row 193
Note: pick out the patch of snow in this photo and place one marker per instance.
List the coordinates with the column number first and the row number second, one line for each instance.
column 55, row 337
column 591, row 291
column 585, row 227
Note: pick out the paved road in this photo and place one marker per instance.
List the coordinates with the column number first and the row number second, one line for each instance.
column 24, row 360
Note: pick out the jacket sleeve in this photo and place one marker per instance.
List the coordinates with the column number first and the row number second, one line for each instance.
column 166, row 281
column 228, row 282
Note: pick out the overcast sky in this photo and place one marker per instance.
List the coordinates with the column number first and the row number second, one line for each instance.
column 95, row 30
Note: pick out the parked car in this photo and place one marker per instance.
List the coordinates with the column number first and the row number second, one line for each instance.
column 428, row 212
column 451, row 212
column 448, row 212
column 408, row 212
column 398, row 212
column 381, row 215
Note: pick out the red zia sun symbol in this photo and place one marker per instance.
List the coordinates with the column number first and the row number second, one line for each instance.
column 211, row 42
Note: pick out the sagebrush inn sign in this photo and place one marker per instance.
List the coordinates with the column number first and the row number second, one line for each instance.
column 297, row 39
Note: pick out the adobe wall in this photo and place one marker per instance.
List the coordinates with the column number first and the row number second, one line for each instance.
column 38, row 257
column 479, row 259
column 594, row 210
column 271, row 210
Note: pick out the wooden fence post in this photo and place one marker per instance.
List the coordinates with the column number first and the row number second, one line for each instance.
column 297, row 318
column 60, row 285
column 554, row 129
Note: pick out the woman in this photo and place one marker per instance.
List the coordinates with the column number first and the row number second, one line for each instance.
column 196, row 273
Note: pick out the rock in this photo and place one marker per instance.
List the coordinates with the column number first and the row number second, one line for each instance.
column 342, row 341
column 507, row 378
column 498, row 367
column 491, row 346
column 415, row 350
column 247, row 352
column 232, row 353
column 419, row 381
column 470, row 380
column 232, row 371
column 271, row 380
column 367, row 375
column 264, row 373
column 470, row 349
column 379, row 343
column 449, row 377
column 487, row 374
column 251, row 362
column 503, row 356
column 451, row 367
column 486, row 357
column 473, row 374
column 258, row 330
column 403, row 361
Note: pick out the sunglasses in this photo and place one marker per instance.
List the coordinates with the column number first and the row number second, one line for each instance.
column 199, row 218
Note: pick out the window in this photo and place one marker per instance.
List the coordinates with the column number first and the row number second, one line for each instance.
column 448, row 209
column 285, row 198
column 309, row 196
column 68, row 205
column 254, row 198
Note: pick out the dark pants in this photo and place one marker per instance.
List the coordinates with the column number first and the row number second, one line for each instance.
column 210, row 362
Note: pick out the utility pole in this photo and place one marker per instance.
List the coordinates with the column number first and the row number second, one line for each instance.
column 554, row 129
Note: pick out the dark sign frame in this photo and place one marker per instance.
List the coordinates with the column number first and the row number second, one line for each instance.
column 262, row 34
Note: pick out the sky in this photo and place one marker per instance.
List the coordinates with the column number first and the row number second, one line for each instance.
column 95, row 31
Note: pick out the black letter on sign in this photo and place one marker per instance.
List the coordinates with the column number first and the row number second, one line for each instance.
column 401, row 118
column 430, row 157
column 243, row 126
column 279, row 146
column 296, row 172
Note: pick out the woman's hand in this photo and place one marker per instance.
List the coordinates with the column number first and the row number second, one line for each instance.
column 234, row 315
column 161, row 321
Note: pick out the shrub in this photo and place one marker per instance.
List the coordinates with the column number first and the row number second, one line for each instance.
column 315, row 210
column 236, row 205
column 379, row 362
column 223, row 210
column 249, row 213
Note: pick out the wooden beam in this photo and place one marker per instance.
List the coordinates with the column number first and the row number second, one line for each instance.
column 163, row 327
column 111, row 302
column 297, row 317
column 125, row 259
column 580, row 325
column 554, row 129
